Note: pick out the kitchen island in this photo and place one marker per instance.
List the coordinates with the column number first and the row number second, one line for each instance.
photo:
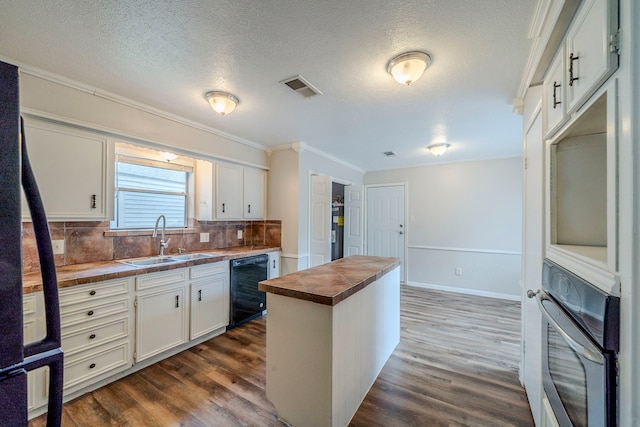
column 330, row 330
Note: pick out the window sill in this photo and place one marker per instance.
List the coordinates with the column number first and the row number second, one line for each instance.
column 148, row 232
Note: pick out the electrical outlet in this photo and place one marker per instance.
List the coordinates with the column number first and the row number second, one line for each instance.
column 57, row 246
column 239, row 234
column 458, row 271
column 204, row 237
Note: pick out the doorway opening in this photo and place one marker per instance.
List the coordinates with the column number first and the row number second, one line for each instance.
column 337, row 221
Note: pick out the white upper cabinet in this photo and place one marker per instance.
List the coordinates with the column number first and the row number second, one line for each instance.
column 73, row 169
column 591, row 50
column 254, row 193
column 553, row 94
column 228, row 191
column 240, row 192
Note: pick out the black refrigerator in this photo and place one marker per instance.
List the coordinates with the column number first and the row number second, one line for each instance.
column 16, row 358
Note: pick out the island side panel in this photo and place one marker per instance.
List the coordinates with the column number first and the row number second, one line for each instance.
column 299, row 342
column 366, row 330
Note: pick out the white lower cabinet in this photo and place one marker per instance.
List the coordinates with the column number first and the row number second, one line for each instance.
column 33, row 318
column 209, row 298
column 162, row 312
column 274, row 265
column 95, row 322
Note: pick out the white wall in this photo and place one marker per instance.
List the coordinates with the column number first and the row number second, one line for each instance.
column 82, row 107
column 463, row 215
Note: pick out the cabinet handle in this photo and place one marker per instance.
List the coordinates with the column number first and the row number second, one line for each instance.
column 223, row 208
column 199, row 294
column 571, row 78
column 274, row 263
column 555, row 99
column 93, row 365
column 92, row 293
column 92, row 336
column 177, row 301
column 90, row 313
column 93, row 201
column 248, row 208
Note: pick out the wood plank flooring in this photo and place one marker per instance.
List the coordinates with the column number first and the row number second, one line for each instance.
column 456, row 365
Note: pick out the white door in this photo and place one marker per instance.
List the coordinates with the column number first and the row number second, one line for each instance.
column 320, row 221
column 353, row 220
column 533, row 232
column 386, row 223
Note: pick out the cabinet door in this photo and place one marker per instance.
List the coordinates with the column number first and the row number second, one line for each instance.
column 228, row 191
column 274, row 265
column 591, row 50
column 204, row 190
column 254, row 191
column 161, row 321
column 553, row 94
column 72, row 171
column 209, row 305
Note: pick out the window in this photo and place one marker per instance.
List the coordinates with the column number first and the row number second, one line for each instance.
column 145, row 189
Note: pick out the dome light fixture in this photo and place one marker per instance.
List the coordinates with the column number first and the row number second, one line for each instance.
column 222, row 102
column 407, row 67
column 438, row 149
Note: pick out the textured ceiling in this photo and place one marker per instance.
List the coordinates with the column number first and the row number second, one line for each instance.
column 167, row 54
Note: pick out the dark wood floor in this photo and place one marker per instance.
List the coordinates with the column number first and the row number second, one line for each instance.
column 456, row 365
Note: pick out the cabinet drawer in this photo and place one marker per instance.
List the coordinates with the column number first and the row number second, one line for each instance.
column 87, row 365
column 161, row 278
column 201, row 271
column 93, row 291
column 88, row 311
column 85, row 337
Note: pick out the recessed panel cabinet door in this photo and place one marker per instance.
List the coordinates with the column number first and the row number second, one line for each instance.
column 72, row 170
column 161, row 321
column 254, row 191
column 228, row 191
column 209, row 305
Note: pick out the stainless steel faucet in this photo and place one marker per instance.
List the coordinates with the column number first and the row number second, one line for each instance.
column 163, row 244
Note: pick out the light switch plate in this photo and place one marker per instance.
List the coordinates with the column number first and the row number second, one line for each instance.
column 204, row 237
column 57, row 246
column 239, row 234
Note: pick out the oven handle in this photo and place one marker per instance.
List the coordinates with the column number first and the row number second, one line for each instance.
column 588, row 354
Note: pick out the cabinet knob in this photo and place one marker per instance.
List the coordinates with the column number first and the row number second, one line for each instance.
column 92, row 336
column 92, row 293
column 90, row 313
column 93, row 365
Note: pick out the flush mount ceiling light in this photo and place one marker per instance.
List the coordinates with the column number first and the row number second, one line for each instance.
column 438, row 149
column 406, row 68
column 222, row 102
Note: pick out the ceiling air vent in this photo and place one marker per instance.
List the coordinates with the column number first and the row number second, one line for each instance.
column 301, row 86
column 390, row 153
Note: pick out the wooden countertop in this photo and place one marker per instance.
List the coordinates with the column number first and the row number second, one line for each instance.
column 332, row 282
column 72, row 275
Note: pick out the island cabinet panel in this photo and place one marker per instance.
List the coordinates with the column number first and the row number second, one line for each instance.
column 323, row 359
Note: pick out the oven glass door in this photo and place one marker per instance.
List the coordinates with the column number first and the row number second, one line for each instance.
column 576, row 373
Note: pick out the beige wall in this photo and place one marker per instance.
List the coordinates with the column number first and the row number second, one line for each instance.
column 463, row 215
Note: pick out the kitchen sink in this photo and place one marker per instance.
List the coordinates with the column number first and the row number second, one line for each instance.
column 189, row 257
column 159, row 260
column 146, row 262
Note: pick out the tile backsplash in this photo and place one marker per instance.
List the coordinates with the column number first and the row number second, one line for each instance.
column 86, row 242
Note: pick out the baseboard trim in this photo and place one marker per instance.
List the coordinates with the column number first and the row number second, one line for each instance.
column 466, row 291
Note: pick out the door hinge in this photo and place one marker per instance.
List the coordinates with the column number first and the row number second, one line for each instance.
column 614, row 42
column 526, row 163
column 135, row 356
column 135, row 302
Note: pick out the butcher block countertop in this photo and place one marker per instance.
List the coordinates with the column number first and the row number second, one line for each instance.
column 332, row 282
column 78, row 274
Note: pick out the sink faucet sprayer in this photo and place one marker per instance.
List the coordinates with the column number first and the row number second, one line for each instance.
column 163, row 244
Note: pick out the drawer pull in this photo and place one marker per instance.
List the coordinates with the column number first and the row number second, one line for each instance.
column 90, row 313
column 199, row 294
column 92, row 336
column 93, row 365
column 92, row 293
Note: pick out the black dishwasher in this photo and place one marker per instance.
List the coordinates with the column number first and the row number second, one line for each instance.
column 247, row 302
